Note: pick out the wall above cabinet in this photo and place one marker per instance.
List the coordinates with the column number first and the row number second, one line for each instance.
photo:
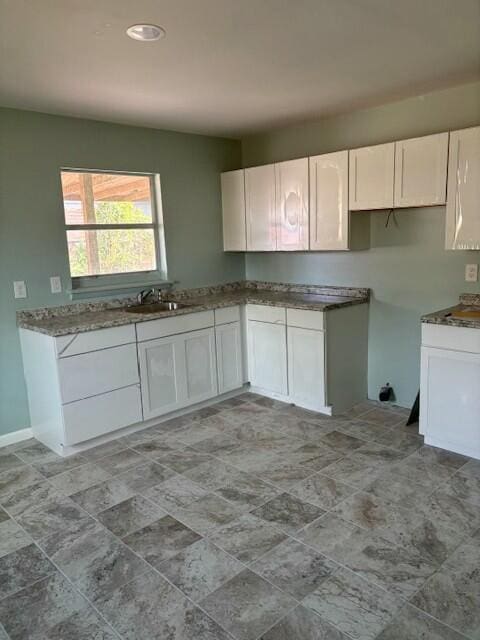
column 306, row 204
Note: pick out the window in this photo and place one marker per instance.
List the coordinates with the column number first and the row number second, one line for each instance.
column 113, row 222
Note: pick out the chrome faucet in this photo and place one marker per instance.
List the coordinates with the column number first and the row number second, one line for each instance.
column 145, row 294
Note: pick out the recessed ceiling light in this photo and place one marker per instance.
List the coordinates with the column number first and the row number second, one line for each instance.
column 146, row 32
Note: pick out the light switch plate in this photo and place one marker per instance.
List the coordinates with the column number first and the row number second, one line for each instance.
column 55, row 284
column 471, row 272
column 19, row 289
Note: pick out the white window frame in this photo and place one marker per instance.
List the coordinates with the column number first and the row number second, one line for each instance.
column 128, row 279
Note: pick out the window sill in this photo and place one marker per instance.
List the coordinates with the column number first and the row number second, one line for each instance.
column 96, row 290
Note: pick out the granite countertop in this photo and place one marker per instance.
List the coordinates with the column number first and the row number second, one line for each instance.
column 78, row 318
column 468, row 302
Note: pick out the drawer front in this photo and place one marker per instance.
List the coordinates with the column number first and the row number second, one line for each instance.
column 261, row 313
column 455, row 338
column 226, row 315
column 93, row 417
column 175, row 324
column 306, row 319
column 94, row 340
column 90, row 374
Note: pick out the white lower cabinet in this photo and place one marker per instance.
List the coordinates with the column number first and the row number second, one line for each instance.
column 306, row 367
column 229, row 356
column 98, row 415
column 450, row 389
column 315, row 359
column 90, row 374
column 162, row 372
column 267, row 356
column 200, row 367
column 76, row 395
column 177, row 371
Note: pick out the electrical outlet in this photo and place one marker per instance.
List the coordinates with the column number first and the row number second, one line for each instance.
column 19, row 289
column 471, row 272
column 55, row 284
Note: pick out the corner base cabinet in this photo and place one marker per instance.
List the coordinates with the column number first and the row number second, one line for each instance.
column 86, row 388
column 450, row 388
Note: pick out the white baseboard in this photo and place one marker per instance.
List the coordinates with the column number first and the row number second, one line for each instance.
column 15, row 436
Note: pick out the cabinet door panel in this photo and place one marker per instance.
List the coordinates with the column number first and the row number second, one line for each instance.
column 306, row 366
column 371, row 177
column 200, row 366
column 463, row 196
column 229, row 357
column 267, row 356
column 260, row 208
column 93, row 417
column 90, row 374
column 329, row 202
column 450, row 400
column 162, row 371
column 291, row 182
column 233, row 210
column 421, row 171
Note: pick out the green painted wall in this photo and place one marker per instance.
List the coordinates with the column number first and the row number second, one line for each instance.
column 32, row 240
column 407, row 267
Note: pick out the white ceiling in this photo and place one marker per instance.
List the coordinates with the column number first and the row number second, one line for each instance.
column 231, row 67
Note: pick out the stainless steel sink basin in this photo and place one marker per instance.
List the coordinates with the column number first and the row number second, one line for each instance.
column 155, row 307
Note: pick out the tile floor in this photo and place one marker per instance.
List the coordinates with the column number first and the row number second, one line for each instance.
column 247, row 520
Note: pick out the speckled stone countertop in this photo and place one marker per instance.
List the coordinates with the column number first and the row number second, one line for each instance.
column 81, row 317
column 446, row 316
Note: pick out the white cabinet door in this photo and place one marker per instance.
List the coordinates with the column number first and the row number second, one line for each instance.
column 267, row 356
column 450, row 400
column 90, row 374
column 229, row 356
column 260, row 208
column 93, row 417
column 463, row 193
column 421, row 171
column 233, row 210
column 200, row 365
column 329, row 202
column 162, row 373
column 291, row 204
column 371, row 177
column 306, row 367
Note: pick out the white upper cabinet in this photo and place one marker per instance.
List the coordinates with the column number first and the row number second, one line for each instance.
column 233, row 209
column 463, row 194
column 291, row 182
column 371, row 177
column 329, row 202
column 421, row 171
column 260, row 208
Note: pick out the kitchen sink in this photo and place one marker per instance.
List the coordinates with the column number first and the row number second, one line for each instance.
column 155, row 307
